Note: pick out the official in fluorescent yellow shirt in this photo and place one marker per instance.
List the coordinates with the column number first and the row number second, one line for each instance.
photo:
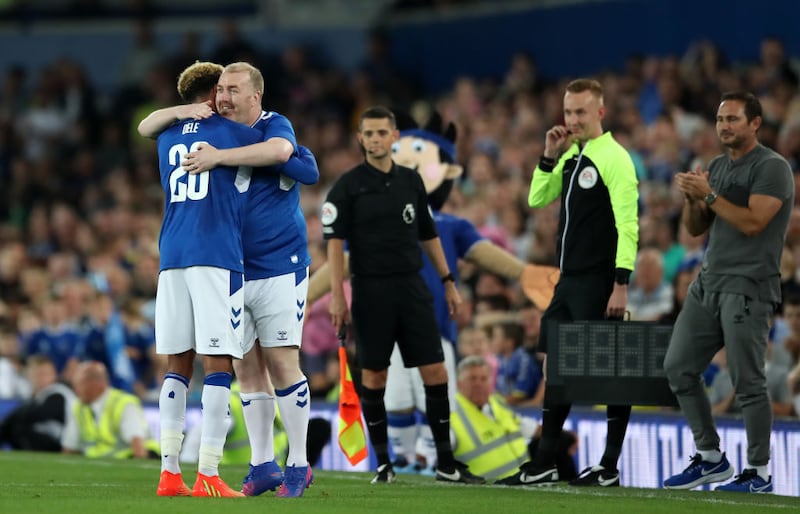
column 489, row 436
column 104, row 421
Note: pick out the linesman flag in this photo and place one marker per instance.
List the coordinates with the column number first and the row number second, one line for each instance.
column 352, row 437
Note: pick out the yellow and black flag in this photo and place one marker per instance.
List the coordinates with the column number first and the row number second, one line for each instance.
column 352, row 437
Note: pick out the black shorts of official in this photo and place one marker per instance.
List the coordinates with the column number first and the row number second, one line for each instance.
column 389, row 309
column 577, row 298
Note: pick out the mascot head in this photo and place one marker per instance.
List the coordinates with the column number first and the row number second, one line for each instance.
column 431, row 151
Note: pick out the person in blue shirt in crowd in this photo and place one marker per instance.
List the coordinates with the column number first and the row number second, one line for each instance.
column 55, row 337
column 518, row 373
column 105, row 339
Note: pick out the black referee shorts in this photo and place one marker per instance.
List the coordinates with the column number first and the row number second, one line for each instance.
column 391, row 309
column 577, row 298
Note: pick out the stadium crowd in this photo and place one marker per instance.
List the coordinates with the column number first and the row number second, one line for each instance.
column 81, row 203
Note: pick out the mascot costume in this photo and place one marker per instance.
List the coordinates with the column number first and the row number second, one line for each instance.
column 431, row 151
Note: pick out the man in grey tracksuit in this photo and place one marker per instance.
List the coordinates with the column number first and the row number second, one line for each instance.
column 744, row 201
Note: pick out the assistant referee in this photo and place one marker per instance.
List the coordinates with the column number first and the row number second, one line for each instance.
column 381, row 210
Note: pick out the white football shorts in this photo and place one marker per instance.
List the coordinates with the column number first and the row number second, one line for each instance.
column 200, row 308
column 404, row 387
column 275, row 309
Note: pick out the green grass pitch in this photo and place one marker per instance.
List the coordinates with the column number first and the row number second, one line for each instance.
column 47, row 483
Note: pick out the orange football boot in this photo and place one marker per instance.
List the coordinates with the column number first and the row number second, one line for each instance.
column 172, row 484
column 213, row 487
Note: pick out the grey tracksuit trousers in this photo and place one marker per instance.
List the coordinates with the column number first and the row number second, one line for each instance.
column 707, row 321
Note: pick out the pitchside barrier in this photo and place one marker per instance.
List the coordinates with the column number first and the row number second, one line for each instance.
column 658, row 443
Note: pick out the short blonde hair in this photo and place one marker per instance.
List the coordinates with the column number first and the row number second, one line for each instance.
column 256, row 78
column 198, row 80
column 581, row 85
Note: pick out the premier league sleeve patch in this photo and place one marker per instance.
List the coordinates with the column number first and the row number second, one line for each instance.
column 409, row 214
column 588, row 177
column 328, row 215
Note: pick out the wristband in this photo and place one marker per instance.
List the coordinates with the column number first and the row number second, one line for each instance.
column 546, row 163
column 622, row 276
column 448, row 278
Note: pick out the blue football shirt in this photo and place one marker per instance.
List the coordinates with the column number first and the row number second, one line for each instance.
column 203, row 213
column 275, row 238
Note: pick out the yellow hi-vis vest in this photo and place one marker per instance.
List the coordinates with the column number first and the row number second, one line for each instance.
column 493, row 448
column 101, row 438
column 237, row 444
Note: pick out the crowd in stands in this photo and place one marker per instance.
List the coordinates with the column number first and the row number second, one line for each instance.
column 81, row 201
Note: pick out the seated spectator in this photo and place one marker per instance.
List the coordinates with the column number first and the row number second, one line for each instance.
column 787, row 333
column 680, row 289
column 140, row 347
column 104, row 421
column 656, row 230
column 491, row 285
column 105, row 341
column 475, row 342
column 649, row 297
column 55, row 337
column 496, row 303
column 37, row 425
column 12, row 384
column 519, row 375
column 465, row 314
column 490, row 437
column 789, row 283
column 530, row 317
column 792, row 347
column 723, row 396
column 694, row 248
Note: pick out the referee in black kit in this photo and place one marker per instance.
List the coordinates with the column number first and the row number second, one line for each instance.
column 381, row 210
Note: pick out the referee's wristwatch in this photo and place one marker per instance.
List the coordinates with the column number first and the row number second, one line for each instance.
column 711, row 197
